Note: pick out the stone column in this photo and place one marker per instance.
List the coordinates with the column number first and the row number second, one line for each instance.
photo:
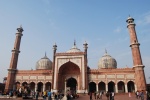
column 97, row 87
column 65, row 97
column 43, row 87
column 126, row 88
column 36, row 87
column 116, row 86
column 135, row 87
column 106, row 87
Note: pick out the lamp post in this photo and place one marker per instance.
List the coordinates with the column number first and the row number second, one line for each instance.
column 65, row 97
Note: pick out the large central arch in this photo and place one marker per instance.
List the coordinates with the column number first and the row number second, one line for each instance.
column 69, row 71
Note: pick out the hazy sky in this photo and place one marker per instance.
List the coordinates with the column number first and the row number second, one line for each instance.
column 102, row 23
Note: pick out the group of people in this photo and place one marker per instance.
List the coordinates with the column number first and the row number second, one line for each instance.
column 97, row 95
column 45, row 94
column 110, row 95
column 140, row 95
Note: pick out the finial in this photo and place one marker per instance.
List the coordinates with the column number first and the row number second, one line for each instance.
column 105, row 51
column 45, row 53
column 74, row 42
column 55, row 45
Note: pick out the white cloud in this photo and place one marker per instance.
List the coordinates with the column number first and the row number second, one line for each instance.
column 147, row 19
column 117, row 30
column 144, row 19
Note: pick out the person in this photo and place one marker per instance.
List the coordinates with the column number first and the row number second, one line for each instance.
column 137, row 94
column 95, row 94
column 49, row 95
column 44, row 95
column 10, row 94
column 36, row 94
column 100, row 95
column 148, row 95
column 112, row 95
column 129, row 94
column 107, row 95
column 90, row 93
column 142, row 95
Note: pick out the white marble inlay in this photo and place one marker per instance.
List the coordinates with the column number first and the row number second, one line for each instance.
column 120, row 76
column 110, row 76
column 18, row 77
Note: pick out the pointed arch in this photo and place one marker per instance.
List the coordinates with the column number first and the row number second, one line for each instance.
column 121, row 87
column 92, row 87
column 40, row 87
column 111, row 86
column 69, row 67
column 48, row 86
column 32, row 86
column 130, row 86
column 101, row 86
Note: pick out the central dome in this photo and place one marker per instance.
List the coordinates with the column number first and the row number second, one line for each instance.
column 74, row 49
column 44, row 63
column 107, row 62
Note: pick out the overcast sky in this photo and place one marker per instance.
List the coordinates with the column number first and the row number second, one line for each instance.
column 102, row 23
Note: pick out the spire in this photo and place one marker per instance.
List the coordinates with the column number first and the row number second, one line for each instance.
column 45, row 53
column 105, row 51
column 74, row 42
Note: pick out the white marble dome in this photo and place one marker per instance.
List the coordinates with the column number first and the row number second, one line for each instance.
column 44, row 63
column 74, row 49
column 107, row 62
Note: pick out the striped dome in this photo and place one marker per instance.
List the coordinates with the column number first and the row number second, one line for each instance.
column 107, row 62
column 44, row 63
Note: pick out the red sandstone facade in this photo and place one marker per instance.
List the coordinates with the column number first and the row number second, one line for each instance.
column 72, row 67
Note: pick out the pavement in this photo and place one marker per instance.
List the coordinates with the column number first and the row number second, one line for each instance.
column 83, row 97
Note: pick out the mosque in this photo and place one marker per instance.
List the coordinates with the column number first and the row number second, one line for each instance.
column 70, row 70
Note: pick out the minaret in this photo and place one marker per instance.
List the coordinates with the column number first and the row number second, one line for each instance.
column 85, row 45
column 14, row 59
column 136, row 55
column 53, row 68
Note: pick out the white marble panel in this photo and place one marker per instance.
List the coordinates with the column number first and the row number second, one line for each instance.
column 130, row 76
column 32, row 77
column 25, row 77
column 40, row 77
column 92, row 76
column 110, row 76
column 101, row 76
column 18, row 77
column 120, row 76
column 48, row 77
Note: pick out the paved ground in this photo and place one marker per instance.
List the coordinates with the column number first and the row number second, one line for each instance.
column 86, row 97
column 117, row 97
